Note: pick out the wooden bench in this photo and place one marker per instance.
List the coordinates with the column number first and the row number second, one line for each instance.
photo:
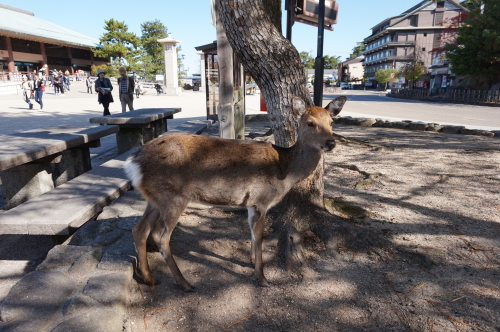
column 35, row 161
column 139, row 126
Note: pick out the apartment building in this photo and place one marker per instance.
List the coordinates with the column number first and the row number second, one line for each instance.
column 352, row 69
column 410, row 35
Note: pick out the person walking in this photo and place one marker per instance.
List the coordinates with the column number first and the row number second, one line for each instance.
column 39, row 87
column 103, row 88
column 27, row 90
column 137, row 89
column 126, row 91
column 89, row 85
column 59, row 84
column 66, row 83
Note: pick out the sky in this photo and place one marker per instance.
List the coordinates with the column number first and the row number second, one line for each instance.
column 189, row 21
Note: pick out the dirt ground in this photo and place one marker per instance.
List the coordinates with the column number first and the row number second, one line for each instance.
column 435, row 197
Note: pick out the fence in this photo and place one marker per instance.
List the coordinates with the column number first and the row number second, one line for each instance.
column 6, row 77
column 450, row 95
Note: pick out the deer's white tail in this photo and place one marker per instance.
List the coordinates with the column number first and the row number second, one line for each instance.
column 133, row 170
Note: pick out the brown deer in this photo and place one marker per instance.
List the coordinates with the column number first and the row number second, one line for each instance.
column 173, row 170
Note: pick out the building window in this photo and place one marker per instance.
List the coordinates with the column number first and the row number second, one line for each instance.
column 423, row 49
column 56, row 51
column 3, row 43
column 78, row 53
column 425, row 34
column 25, row 46
column 440, row 4
column 414, row 20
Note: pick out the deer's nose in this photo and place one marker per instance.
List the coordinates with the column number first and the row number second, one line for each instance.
column 330, row 145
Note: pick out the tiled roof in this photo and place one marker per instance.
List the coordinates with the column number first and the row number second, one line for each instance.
column 22, row 24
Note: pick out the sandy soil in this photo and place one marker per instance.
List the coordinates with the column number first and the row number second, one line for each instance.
column 435, row 197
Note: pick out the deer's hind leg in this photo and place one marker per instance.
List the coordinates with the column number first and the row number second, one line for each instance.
column 171, row 211
column 141, row 232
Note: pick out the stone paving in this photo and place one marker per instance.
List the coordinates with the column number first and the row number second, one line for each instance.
column 83, row 284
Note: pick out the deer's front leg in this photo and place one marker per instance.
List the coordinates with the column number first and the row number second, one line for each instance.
column 141, row 232
column 256, row 222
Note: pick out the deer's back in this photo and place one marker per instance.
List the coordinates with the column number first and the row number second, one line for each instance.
column 213, row 170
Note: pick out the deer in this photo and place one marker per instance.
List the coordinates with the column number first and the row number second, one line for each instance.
column 173, row 170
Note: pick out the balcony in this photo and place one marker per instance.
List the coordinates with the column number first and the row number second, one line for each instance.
column 402, row 43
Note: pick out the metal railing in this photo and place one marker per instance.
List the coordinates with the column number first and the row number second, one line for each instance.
column 467, row 96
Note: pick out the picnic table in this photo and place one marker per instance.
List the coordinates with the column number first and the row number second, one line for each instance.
column 139, row 126
column 35, row 161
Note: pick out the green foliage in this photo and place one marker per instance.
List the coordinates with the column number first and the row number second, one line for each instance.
column 307, row 60
column 154, row 59
column 476, row 50
column 331, row 62
column 119, row 45
column 365, row 79
column 109, row 71
column 384, row 75
column 412, row 70
column 357, row 50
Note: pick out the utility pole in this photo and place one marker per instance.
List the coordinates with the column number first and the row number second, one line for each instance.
column 319, row 63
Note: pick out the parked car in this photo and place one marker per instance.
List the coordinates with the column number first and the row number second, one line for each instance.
column 345, row 86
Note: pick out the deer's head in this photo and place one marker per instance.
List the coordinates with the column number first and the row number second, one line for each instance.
column 315, row 127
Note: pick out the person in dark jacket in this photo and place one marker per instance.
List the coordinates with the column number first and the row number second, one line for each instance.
column 38, row 86
column 126, row 87
column 103, row 88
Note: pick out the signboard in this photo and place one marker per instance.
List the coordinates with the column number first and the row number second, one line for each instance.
column 28, row 64
column 443, row 83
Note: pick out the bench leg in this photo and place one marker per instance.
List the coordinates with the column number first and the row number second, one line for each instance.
column 24, row 182
column 74, row 162
column 129, row 138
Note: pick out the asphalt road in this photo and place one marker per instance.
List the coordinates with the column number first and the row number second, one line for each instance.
column 378, row 105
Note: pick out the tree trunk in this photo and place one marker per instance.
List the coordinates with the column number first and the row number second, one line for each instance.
column 276, row 67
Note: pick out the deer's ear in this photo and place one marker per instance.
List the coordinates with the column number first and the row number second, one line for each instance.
column 336, row 106
column 298, row 106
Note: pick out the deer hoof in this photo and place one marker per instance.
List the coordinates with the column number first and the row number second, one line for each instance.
column 187, row 288
column 150, row 281
column 263, row 283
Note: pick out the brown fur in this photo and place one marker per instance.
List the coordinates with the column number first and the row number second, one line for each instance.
column 177, row 169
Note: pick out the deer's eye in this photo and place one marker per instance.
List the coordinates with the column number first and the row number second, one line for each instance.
column 310, row 124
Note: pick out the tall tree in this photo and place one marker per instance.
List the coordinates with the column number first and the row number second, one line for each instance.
column 151, row 31
column 357, row 50
column 385, row 75
column 307, row 60
column 278, row 70
column 476, row 51
column 121, row 46
column 331, row 61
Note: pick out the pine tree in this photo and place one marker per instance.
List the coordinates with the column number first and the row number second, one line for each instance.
column 154, row 60
column 119, row 45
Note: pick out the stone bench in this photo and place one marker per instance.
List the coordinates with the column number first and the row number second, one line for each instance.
column 62, row 210
column 35, row 161
column 191, row 127
column 139, row 126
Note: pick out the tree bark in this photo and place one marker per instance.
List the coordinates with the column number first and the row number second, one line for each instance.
column 276, row 67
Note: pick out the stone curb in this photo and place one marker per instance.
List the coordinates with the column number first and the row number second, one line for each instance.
column 406, row 124
column 83, row 285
